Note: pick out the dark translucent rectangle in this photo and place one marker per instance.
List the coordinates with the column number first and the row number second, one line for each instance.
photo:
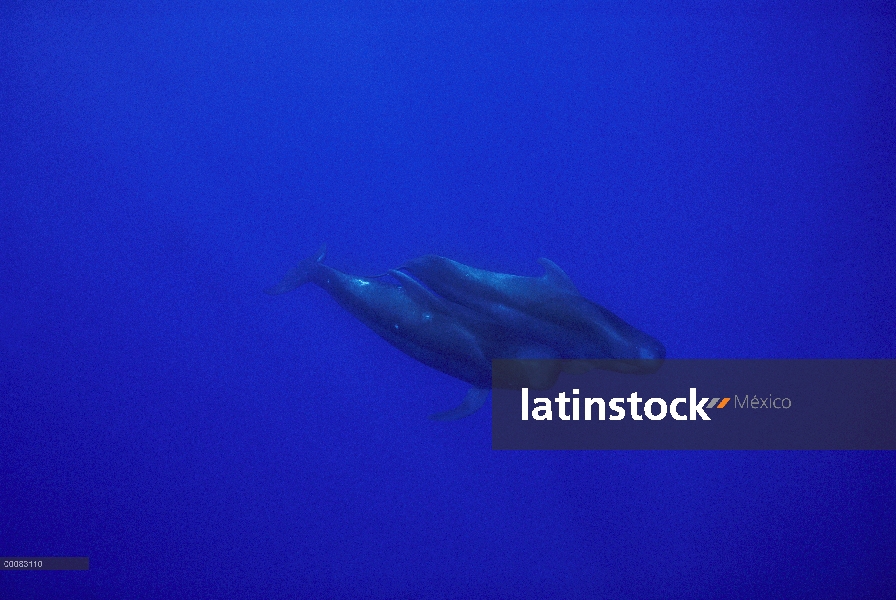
column 45, row 563
column 771, row 405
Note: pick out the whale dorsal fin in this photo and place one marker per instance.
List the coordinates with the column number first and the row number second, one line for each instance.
column 557, row 277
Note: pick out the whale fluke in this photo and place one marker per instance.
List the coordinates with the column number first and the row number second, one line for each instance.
column 298, row 276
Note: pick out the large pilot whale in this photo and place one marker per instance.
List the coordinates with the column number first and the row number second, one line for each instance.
column 457, row 319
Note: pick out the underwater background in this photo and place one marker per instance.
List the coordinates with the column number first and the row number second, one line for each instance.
column 722, row 178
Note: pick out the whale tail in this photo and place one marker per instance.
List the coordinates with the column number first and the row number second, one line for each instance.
column 298, row 276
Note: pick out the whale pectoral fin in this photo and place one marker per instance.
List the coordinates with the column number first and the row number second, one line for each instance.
column 414, row 288
column 420, row 293
column 473, row 401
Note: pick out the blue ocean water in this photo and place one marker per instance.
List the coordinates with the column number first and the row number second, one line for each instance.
column 721, row 178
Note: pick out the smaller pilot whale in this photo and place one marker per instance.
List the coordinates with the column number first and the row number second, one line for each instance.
column 457, row 319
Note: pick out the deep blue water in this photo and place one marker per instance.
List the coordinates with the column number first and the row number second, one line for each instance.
column 722, row 179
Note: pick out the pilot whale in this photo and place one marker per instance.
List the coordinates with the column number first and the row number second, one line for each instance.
column 457, row 319
column 548, row 309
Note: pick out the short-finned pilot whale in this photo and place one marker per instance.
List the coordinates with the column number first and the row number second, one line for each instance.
column 456, row 319
column 548, row 309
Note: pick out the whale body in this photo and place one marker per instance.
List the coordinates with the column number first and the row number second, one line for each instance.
column 457, row 319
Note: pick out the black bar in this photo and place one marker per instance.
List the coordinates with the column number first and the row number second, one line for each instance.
column 775, row 404
column 44, row 563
